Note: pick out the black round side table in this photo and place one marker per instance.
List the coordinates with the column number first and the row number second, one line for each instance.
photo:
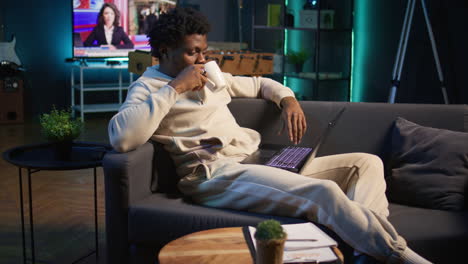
column 37, row 157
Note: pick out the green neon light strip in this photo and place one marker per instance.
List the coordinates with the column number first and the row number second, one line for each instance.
column 351, row 88
column 362, row 21
column 285, row 79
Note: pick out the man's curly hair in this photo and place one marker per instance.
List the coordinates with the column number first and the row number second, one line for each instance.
column 171, row 28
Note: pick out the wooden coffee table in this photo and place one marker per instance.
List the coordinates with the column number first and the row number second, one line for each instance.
column 220, row 245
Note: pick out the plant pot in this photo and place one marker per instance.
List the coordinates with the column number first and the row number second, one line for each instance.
column 278, row 63
column 270, row 251
column 63, row 150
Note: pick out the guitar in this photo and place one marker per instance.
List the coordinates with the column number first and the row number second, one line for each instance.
column 8, row 53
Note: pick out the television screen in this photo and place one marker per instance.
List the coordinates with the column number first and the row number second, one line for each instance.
column 112, row 28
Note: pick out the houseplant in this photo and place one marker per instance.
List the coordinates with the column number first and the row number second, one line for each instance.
column 297, row 58
column 270, row 238
column 61, row 129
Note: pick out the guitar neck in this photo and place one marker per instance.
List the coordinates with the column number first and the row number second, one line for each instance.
column 2, row 33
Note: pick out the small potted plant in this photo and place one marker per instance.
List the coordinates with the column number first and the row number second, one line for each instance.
column 270, row 238
column 297, row 58
column 61, row 129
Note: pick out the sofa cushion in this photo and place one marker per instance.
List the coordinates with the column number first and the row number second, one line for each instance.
column 157, row 220
column 164, row 178
column 170, row 218
column 440, row 236
column 429, row 166
column 166, row 219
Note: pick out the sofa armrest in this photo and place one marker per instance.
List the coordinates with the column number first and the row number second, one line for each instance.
column 127, row 178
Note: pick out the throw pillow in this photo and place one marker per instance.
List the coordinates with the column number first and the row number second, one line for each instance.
column 429, row 166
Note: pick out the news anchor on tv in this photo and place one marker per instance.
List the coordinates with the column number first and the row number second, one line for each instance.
column 108, row 33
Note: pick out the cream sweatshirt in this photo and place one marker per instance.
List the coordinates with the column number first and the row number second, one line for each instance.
column 194, row 127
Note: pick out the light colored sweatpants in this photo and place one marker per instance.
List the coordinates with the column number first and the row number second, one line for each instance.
column 344, row 192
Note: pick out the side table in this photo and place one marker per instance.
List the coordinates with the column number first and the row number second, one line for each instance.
column 37, row 157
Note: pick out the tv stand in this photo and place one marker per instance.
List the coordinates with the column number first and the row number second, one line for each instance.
column 82, row 87
column 113, row 63
column 83, row 62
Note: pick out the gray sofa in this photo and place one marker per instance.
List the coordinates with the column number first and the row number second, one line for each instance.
column 144, row 210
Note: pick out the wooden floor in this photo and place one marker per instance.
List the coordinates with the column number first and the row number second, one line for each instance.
column 63, row 202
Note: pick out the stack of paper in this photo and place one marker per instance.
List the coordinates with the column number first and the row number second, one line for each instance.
column 305, row 243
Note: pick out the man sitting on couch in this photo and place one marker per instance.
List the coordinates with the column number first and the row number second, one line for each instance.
column 171, row 105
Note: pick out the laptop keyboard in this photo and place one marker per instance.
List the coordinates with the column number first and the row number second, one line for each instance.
column 289, row 158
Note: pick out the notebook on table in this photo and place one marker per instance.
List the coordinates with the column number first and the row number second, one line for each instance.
column 292, row 158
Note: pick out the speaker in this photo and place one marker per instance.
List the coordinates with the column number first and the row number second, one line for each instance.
column 11, row 100
column 139, row 60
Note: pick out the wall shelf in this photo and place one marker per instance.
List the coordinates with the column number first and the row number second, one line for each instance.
column 302, row 28
column 313, row 76
column 96, row 108
column 329, row 46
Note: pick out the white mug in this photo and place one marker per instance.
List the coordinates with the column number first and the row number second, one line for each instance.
column 216, row 81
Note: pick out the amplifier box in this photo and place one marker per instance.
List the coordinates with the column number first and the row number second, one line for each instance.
column 11, row 100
